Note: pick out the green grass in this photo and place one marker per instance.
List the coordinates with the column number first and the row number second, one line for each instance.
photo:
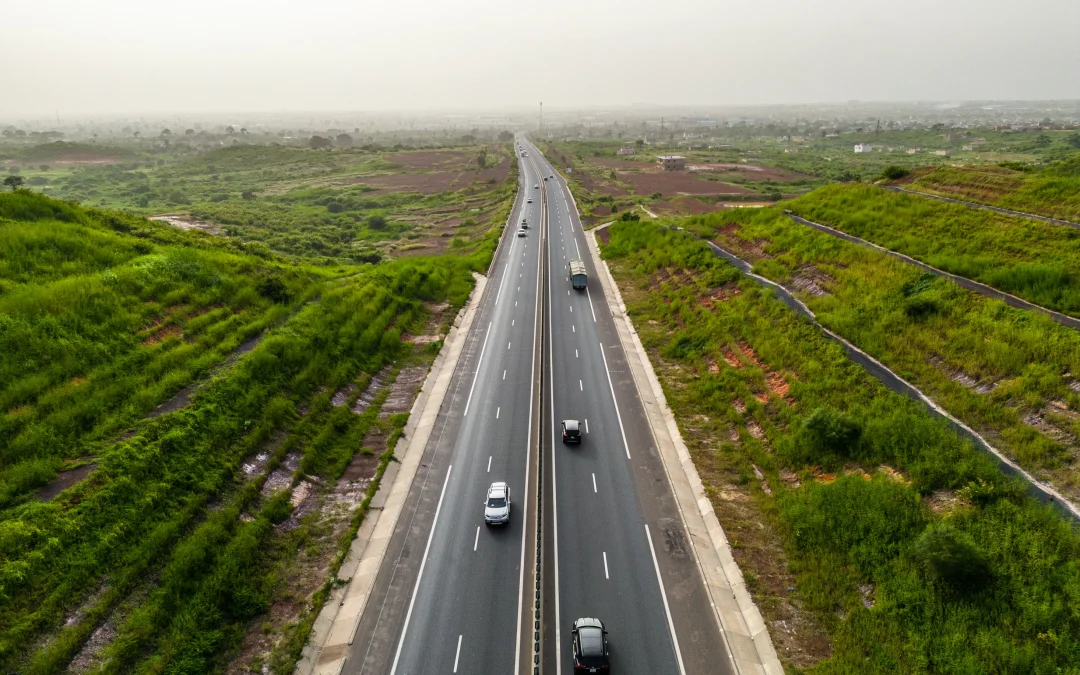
column 1053, row 190
column 161, row 509
column 1010, row 607
column 1031, row 259
column 932, row 332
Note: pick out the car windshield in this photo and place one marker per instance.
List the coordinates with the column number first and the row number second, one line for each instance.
column 496, row 502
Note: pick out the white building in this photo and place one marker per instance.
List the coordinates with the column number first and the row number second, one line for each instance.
column 863, row 147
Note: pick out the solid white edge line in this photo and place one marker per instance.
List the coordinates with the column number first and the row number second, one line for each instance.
column 420, row 574
column 458, row 654
column 478, row 364
column 591, row 309
column 618, row 414
column 663, row 596
column 528, row 437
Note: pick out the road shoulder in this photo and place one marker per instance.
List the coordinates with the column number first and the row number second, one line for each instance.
column 334, row 628
column 740, row 621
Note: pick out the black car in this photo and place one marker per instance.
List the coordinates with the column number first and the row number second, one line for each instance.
column 571, row 431
column 590, row 646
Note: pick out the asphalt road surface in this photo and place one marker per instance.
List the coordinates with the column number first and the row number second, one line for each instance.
column 455, row 596
column 618, row 550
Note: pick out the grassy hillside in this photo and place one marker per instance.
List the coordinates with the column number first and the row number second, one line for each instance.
column 1053, row 190
column 1007, row 373
column 1034, row 260
column 173, row 542
column 890, row 544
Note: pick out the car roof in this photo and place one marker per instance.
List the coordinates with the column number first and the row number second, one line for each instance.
column 572, row 425
column 587, row 622
column 497, row 488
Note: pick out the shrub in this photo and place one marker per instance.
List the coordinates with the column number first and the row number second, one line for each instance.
column 274, row 289
column 376, row 221
column 894, row 172
column 830, row 432
column 951, row 557
column 629, row 216
column 335, row 207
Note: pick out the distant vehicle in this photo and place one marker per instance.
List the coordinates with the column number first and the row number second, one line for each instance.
column 552, row 176
column 536, row 187
column 545, row 177
column 497, row 504
column 522, row 232
column 590, row 646
column 571, row 431
column 578, row 276
column 529, row 200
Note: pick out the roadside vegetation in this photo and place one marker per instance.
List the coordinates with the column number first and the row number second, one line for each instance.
column 1052, row 190
column 1031, row 259
column 891, row 544
column 1007, row 373
column 202, row 525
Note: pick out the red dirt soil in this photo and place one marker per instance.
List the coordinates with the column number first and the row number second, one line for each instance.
column 431, row 159
column 671, row 183
column 424, row 183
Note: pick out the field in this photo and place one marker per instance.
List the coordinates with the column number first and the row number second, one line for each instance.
column 329, row 205
column 889, row 544
column 1053, row 190
column 600, row 180
column 192, row 428
column 1034, row 260
column 1007, row 373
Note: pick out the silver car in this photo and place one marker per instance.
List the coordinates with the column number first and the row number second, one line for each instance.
column 497, row 504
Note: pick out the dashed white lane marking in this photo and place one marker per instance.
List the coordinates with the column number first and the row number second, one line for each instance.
column 508, row 345
column 504, row 374
column 594, row 483
column 458, row 654
column 580, row 385
column 512, row 321
column 477, row 539
column 576, row 354
column 586, row 425
column 497, row 412
column 571, row 308
column 489, row 463
column 605, row 575
column 573, row 329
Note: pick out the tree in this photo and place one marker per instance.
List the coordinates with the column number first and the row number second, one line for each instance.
column 135, row 134
column 243, row 130
column 506, row 136
column 165, row 133
column 230, row 130
column 247, row 194
column 1074, row 140
column 189, row 132
column 481, row 158
column 343, row 141
column 318, row 143
column 639, row 143
column 14, row 182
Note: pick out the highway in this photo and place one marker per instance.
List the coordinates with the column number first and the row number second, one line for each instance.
column 618, row 550
column 457, row 608
column 455, row 596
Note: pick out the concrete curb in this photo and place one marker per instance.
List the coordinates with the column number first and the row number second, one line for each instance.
column 744, row 630
column 334, row 628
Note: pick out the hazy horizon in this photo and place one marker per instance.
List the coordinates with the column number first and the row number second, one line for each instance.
column 124, row 57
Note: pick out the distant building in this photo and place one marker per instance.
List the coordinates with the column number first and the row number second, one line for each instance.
column 628, row 150
column 863, row 147
column 940, row 153
column 671, row 162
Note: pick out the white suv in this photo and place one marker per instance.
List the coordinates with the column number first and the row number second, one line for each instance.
column 497, row 504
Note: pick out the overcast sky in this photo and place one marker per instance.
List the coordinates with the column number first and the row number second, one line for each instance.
column 144, row 56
